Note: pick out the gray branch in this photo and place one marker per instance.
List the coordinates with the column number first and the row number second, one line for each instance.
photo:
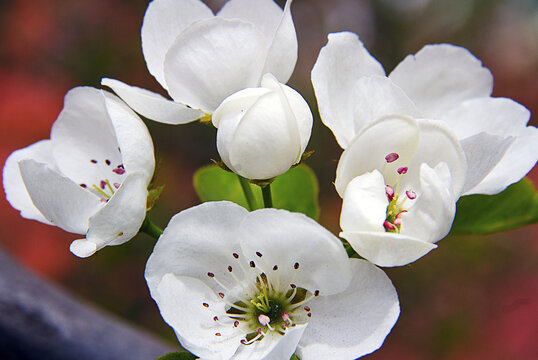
column 40, row 321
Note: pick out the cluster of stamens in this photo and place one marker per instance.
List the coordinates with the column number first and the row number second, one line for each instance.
column 105, row 189
column 395, row 209
column 263, row 306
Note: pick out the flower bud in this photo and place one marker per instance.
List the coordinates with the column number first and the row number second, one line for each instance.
column 263, row 131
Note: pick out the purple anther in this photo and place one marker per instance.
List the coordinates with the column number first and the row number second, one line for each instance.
column 102, row 184
column 392, row 157
column 411, row 194
column 398, row 222
column 93, row 161
column 107, row 162
column 399, row 215
column 390, row 192
column 388, row 225
column 116, row 185
column 402, row 170
column 119, row 171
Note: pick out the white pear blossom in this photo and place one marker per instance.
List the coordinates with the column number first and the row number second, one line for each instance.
column 91, row 176
column 400, row 179
column 442, row 82
column 201, row 58
column 263, row 131
column 264, row 285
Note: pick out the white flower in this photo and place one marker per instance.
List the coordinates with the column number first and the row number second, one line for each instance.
column 201, row 59
column 91, row 176
column 442, row 82
column 400, row 179
column 263, row 131
column 265, row 284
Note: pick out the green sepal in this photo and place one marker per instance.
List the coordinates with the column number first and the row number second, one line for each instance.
column 153, row 195
column 296, row 190
column 485, row 214
column 179, row 355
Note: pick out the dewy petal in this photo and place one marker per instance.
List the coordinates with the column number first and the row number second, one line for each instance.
column 82, row 133
column 365, row 203
column 377, row 96
column 339, row 65
column 438, row 144
column 439, row 77
column 392, row 134
column 483, row 152
column 152, row 105
column 180, row 300
column 211, row 60
column 355, row 322
column 120, row 219
column 431, row 216
column 163, row 22
column 387, row 249
column 282, row 53
column 196, row 241
column 284, row 239
column 265, row 142
column 61, row 201
column 16, row 193
column 518, row 160
column 132, row 136
column 496, row 116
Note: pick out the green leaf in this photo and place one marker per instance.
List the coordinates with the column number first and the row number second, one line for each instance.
column 180, row 355
column 484, row 214
column 296, row 190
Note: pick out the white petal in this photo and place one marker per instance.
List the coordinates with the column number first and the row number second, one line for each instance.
column 377, row 96
column 284, row 239
column 196, row 241
column 132, row 136
column 282, row 53
column 387, row 249
column 180, row 300
column 264, row 14
column 120, row 219
column 211, row 60
column 340, row 64
column 483, row 152
column 61, row 201
column 229, row 114
column 152, row 105
column 518, row 160
column 496, row 116
column 273, row 346
column 432, row 213
column 299, row 106
column 266, row 141
column 438, row 144
column 365, row 203
column 83, row 248
column 14, row 188
column 83, row 138
column 439, row 77
column 163, row 22
column 394, row 134
column 355, row 322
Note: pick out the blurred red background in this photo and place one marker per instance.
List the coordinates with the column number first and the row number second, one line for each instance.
column 476, row 297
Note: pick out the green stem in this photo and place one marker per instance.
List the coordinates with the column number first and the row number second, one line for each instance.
column 266, row 193
column 150, row 228
column 294, row 357
column 247, row 190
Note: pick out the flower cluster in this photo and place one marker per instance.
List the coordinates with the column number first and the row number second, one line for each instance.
column 272, row 284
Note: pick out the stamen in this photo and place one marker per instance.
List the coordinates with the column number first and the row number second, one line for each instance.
column 264, row 320
column 388, row 225
column 116, row 185
column 206, row 305
column 107, row 162
column 390, row 192
column 392, row 157
column 84, row 186
column 402, row 170
column 102, row 184
column 119, row 171
column 259, row 254
column 93, row 161
column 275, row 268
column 411, row 194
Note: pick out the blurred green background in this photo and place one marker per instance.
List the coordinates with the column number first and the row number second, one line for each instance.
column 475, row 297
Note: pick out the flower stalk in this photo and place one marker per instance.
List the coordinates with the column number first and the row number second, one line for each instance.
column 148, row 227
column 267, row 198
column 247, row 190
